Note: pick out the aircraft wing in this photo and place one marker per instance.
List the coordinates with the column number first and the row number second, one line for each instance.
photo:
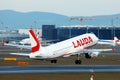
column 97, row 50
column 89, row 51
column 21, row 54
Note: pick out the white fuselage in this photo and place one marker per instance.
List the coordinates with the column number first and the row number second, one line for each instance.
column 67, row 47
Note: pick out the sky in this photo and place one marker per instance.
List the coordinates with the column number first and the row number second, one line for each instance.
column 64, row 7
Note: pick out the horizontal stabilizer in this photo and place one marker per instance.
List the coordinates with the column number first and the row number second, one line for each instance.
column 21, row 54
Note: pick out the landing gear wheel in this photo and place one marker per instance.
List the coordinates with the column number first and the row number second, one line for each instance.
column 78, row 61
column 53, row 61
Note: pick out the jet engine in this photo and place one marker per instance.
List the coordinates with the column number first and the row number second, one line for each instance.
column 91, row 55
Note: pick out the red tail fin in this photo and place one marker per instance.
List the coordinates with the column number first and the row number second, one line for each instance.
column 35, row 44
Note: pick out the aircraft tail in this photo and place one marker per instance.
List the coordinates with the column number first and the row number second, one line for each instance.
column 116, row 39
column 35, row 43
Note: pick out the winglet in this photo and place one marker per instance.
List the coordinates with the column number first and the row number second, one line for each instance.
column 35, row 44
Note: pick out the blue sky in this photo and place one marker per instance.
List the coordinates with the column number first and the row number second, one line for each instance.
column 65, row 7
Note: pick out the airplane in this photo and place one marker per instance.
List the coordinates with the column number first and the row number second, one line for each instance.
column 117, row 41
column 22, row 43
column 26, row 41
column 73, row 46
column 26, row 44
column 114, row 42
column 106, row 42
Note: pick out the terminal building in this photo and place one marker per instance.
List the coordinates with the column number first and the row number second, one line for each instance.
column 66, row 32
column 49, row 32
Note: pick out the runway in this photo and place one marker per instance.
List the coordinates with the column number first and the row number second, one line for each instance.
column 58, row 69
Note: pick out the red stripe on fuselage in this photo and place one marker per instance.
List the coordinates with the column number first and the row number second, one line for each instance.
column 37, row 47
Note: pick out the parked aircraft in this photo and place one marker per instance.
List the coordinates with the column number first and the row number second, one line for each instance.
column 26, row 41
column 117, row 41
column 114, row 42
column 73, row 46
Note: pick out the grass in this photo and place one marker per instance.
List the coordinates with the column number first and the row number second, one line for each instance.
column 61, row 76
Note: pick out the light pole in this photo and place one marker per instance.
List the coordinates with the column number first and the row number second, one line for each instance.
column 70, row 32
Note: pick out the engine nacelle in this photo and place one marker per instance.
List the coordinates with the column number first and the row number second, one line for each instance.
column 91, row 55
column 87, row 56
column 94, row 54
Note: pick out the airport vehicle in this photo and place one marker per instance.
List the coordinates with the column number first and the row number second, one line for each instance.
column 74, row 46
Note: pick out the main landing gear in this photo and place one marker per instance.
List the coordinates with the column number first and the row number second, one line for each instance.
column 78, row 61
column 53, row 61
